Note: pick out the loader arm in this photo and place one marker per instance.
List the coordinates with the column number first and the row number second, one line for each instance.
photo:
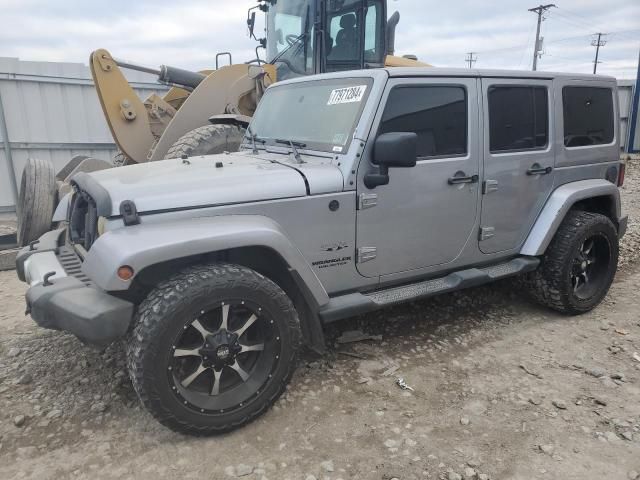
column 125, row 113
column 229, row 90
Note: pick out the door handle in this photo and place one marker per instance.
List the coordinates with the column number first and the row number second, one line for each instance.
column 536, row 169
column 461, row 177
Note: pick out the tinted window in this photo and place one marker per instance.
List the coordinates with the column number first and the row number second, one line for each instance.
column 437, row 114
column 518, row 118
column 588, row 116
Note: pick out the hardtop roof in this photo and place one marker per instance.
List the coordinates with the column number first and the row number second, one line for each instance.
column 487, row 72
column 426, row 72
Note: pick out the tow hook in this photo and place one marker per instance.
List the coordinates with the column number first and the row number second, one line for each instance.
column 47, row 276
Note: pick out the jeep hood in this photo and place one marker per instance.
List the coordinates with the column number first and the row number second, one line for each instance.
column 206, row 181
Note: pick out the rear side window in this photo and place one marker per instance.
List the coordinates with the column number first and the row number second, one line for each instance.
column 588, row 116
column 437, row 114
column 518, row 118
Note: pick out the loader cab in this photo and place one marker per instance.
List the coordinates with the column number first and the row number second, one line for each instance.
column 305, row 37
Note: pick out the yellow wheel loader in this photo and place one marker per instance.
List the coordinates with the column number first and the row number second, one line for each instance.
column 207, row 112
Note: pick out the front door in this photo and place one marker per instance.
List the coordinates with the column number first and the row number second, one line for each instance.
column 425, row 215
column 518, row 159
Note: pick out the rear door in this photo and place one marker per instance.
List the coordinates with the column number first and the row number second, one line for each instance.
column 518, row 159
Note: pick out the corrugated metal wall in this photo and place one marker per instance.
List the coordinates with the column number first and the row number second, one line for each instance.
column 625, row 93
column 51, row 111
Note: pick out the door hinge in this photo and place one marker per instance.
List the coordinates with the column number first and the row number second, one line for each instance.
column 367, row 200
column 489, row 186
column 366, row 254
column 487, row 232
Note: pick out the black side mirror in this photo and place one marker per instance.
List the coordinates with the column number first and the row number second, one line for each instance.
column 392, row 150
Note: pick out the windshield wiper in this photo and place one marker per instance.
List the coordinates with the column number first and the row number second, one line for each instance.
column 294, row 42
column 293, row 144
column 254, row 138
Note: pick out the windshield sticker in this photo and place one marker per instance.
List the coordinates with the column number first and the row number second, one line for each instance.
column 337, row 149
column 347, row 95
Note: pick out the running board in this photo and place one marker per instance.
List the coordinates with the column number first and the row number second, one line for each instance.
column 358, row 303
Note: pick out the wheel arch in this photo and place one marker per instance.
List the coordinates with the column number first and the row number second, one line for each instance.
column 262, row 259
column 159, row 250
column 596, row 196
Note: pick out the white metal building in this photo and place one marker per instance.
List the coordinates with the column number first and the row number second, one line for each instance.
column 51, row 111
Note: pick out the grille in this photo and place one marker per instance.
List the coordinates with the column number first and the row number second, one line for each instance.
column 83, row 220
column 72, row 264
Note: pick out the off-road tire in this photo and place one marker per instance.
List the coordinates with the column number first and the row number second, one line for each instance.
column 36, row 200
column 551, row 285
column 208, row 140
column 159, row 316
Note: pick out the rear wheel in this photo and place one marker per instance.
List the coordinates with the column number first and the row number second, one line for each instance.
column 36, row 201
column 208, row 140
column 212, row 348
column 579, row 265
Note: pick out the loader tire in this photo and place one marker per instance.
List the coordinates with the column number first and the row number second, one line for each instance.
column 121, row 160
column 36, row 201
column 207, row 140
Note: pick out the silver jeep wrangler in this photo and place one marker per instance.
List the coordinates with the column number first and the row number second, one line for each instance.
column 352, row 191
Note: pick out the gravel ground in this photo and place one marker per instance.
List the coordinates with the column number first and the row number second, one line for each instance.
column 503, row 389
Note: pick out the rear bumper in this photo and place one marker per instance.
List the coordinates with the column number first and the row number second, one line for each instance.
column 68, row 301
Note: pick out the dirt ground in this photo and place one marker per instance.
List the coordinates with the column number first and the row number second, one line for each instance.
column 503, row 389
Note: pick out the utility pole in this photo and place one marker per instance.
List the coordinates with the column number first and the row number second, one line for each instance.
column 598, row 43
column 471, row 59
column 536, row 49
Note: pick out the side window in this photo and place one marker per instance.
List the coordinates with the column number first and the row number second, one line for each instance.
column 518, row 118
column 371, row 40
column 438, row 114
column 588, row 116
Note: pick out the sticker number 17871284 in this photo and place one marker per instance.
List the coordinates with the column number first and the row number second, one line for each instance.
column 347, row 95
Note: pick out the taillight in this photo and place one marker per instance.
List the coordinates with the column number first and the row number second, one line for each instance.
column 621, row 173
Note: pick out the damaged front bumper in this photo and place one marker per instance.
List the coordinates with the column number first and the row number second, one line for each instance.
column 61, row 297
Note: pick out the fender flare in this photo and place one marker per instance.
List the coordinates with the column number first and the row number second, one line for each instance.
column 557, row 206
column 141, row 246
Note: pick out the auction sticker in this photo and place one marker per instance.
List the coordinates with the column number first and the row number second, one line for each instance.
column 347, row 95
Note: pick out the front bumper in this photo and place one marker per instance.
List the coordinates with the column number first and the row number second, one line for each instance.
column 67, row 300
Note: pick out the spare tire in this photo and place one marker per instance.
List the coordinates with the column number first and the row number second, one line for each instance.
column 36, row 201
column 208, row 140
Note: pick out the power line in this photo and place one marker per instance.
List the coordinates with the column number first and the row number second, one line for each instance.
column 579, row 18
column 537, row 50
column 470, row 59
column 598, row 43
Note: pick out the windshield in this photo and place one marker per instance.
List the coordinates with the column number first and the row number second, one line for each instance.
column 290, row 37
column 321, row 114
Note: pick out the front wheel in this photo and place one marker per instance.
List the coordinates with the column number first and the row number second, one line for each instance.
column 579, row 265
column 213, row 348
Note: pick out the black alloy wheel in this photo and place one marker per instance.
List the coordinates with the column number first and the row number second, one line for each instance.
column 223, row 357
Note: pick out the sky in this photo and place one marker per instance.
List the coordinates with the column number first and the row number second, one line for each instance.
column 189, row 33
